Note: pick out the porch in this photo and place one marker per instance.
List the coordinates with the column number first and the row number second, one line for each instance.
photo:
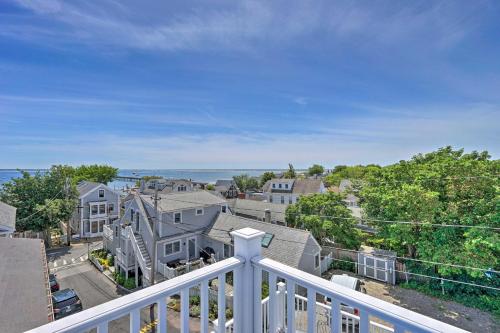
column 284, row 310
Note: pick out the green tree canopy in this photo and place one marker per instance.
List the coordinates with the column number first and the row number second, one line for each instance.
column 357, row 172
column 210, row 187
column 290, row 173
column 309, row 212
column 245, row 182
column 42, row 200
column 268, row 175
column 443, row 187
column 315, row 169
column 95, row 173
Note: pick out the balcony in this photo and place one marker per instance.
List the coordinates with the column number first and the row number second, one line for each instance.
column 285, row 310
column 171, row 270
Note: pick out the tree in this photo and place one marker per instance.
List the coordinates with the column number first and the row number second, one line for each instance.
column 211, row 187
column 315, row 170
column 268, row 175
column 443, row 187
column 357, row 172
column 95, row 173
column 245, row 182
column 290, row 173
column 42, row 200
column 326, row 216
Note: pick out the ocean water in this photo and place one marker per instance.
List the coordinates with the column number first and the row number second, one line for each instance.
column 202, row 175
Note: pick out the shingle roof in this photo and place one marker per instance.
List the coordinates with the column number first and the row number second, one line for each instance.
column 23, row 297
column 287, row 246
column 85, row 187
column 185, row 200
column 224, row 182
column 257, row 209
column 7, row 215
column 300, row 186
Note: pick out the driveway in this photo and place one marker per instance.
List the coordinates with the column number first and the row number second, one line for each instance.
column 453, row 313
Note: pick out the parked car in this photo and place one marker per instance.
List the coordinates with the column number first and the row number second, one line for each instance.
column 66, row 302
column 54, row 285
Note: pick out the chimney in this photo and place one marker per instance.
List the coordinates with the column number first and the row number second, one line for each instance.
column 267, row 213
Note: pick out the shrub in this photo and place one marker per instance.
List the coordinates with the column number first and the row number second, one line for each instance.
column 111, row 260
column 347, row 264
column 129, row 283
column 194, row 300
column 229, row 313
column 194, row 311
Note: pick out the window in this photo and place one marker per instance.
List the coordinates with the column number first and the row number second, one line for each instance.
column 266, row 240
column 116, row 231
column 94, row 227
column 102, row 209
column 101, row 193
column 286, row 185
column 136, row 217
column 282, row 199
column 172, row 248
column 316, row 261
column 111, row 208
column 270, row 198
column 178, row 217
column 199, row 211
column 86, row 226
column 274, row 185
column 131, row 214
column 290, row 200
column 227, row 251
column 223, row 209
column 279, row 185
column 93, row 210
column 101, row 225
column 181, row 188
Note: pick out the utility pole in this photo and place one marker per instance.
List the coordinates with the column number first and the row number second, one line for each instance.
column 67, row 188
column 153, row 258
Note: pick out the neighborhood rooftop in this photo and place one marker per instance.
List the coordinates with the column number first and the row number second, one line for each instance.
column 85, row 187
column 178, row 201
column 23, row 282
column 287, row 245
column 257, row 209
column 7, row 217
column 300, row 186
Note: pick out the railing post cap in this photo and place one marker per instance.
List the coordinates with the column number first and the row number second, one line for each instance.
column 248, row 233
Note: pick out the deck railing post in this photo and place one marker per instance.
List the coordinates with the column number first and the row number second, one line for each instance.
column 247, row 245
column 280, row 308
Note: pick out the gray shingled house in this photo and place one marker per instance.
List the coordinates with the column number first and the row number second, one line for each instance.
column 7, row 219
column 288, row 191
column 227, row 188
column 259, row 210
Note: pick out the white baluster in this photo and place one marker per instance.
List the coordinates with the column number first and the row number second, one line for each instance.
column 221, row 303
column 237, row 306
column 102, row 328
column 364, row 321
column 162, row 315
column 290, row 306
column 273, row 322
column 185, row 310
column 280, row 305
column 204, row 307
column 311, row 311
column 336, row 317
column 135, row 321
column 257, row 303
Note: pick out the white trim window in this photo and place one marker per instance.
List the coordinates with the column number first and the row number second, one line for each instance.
column 102, row 209
column 101, row 193
column 177, row 217
column 282, row 199
column 111, row 208
column 226, row 250
column 94, row 210
column 223, row 209
column 101, row 225
column 173, row 248
column 199, row 211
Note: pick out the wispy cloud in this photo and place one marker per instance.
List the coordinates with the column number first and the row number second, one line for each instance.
column 247, row 24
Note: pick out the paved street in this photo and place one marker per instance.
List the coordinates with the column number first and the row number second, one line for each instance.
column 70, row 256
column 94, row 288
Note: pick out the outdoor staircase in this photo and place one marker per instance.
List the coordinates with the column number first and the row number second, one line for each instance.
column 144, row 251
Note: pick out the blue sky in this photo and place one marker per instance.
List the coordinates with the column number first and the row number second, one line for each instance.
column 245, row 84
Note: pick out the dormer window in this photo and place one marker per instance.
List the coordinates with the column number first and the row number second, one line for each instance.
column 101, row 193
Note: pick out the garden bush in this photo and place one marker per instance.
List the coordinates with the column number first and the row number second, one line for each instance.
column 129, row 283
column 347, row 264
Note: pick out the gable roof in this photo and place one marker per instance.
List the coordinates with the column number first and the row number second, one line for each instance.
column 287, row 246
column 184, row 200
column 225, row 182
column 300, row 186
column 7, row 216
column 85, row 187
column 257, row 209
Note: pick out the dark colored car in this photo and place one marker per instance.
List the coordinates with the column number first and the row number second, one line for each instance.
column 65, row 303
column 54, row 286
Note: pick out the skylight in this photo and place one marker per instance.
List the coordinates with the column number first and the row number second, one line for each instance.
column 266, row 240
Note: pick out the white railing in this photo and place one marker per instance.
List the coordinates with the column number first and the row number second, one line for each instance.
column 126, row 232
column 138, row 254
column 170, row 272
column 251, row 313
column 107, row 232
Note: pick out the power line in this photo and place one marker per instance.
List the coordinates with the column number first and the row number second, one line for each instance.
column 38, row 211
